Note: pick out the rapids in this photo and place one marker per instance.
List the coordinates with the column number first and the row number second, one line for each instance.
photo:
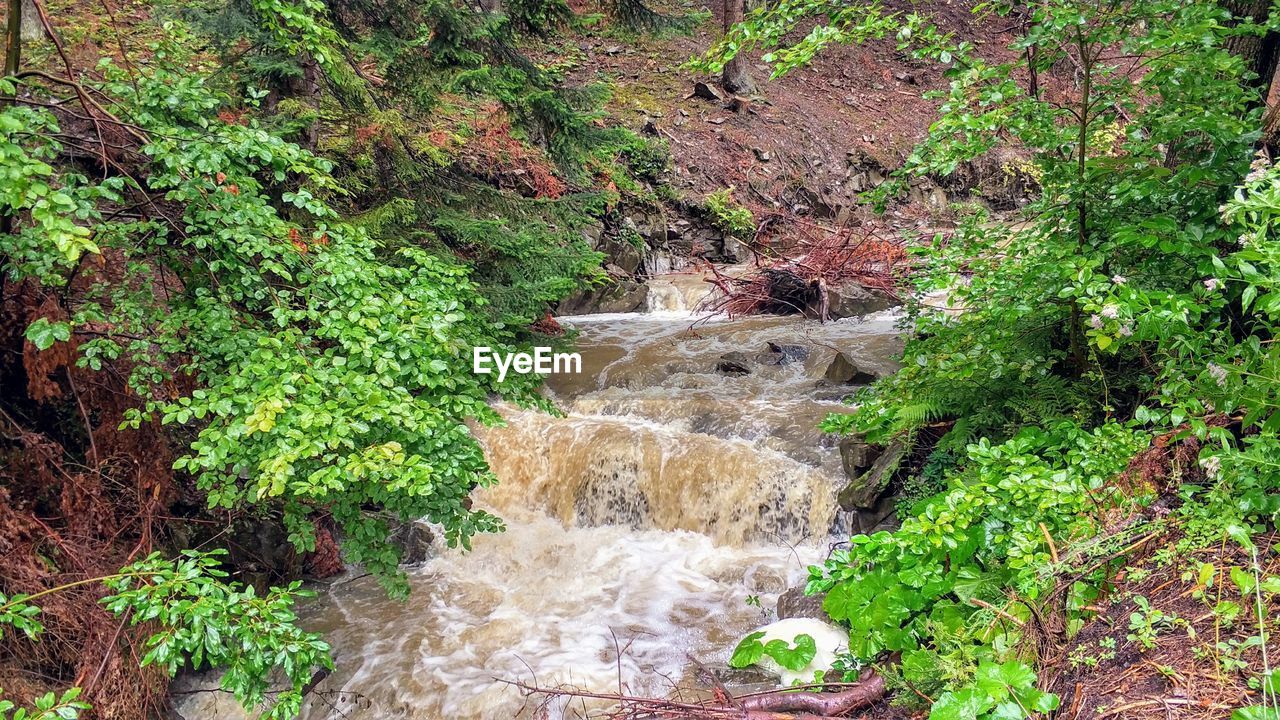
column 641, row 521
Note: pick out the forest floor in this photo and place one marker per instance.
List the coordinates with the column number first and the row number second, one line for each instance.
column 802, row 142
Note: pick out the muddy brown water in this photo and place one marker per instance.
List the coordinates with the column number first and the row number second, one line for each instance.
column 643, row 520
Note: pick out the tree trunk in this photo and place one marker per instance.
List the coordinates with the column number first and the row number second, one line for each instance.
column 32, row 28
column 1259, row 53
column 13, row 38
column 736, row 78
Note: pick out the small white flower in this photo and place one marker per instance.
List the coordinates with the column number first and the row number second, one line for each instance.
column 1218, row 373
column 1126, row 330
column 1119, row 279
column 1212, row 465
column 1111, row 311
column 1095, row 322
column 1213, row 284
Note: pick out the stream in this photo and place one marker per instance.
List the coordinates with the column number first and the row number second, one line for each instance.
column 642, row 521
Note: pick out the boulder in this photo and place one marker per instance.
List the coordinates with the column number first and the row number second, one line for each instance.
column 415, row 541
column 593, row 232
column 621, row 253
column 734, row 363
column 651, row 225
column 619, row 297
column 782, row 354
column 862, row 491
column 857, row 455
column 795, row 604
column 842, row 370
column 200, row 695
column 705, row 91
column 851, row 300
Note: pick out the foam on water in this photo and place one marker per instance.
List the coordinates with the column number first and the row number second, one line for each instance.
column 547, row 601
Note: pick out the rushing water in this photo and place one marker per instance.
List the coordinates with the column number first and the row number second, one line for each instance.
column 641, row 522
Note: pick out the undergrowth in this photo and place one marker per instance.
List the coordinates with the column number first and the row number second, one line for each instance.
column 246, row 254
column 1111, row 351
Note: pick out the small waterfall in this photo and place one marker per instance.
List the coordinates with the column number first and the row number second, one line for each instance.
column 669, row 492
column 685, row 292
column 624, row 471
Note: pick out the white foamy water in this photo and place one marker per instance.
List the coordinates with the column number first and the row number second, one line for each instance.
column 544, row 603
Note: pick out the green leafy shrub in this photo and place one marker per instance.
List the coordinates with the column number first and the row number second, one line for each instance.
column 201, row 621
column 1006, row 690
column 958, row 553
column 729, row 216
column 1137, row 298
column 332, row 373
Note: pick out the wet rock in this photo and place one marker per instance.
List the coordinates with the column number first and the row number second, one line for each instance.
column 415, row 541
column 592, row 232
column 620, row 297
column 851, row 300
column 650, row 225
column 611, row 495
column 857, row 455
column 881, row 516
column 795, row 604
column 622, row 253
column 808, row 202
column 734, row 363
column 199, row 696
column 845, row 371
column 262, row 554
column 783, row 354
column 862, row 492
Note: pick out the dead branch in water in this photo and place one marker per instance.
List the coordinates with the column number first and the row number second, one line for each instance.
column 782, row 704
column 823, row 257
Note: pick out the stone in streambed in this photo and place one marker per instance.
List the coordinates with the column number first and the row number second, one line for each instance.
column 863, row 490
column 622, row 296
column 795, row 604
column 734, row 363
column 844, row 371
column 782, row 354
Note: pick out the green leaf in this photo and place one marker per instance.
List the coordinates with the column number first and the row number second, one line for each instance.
column 43, row 334
column 748, row 652
column 966, row 704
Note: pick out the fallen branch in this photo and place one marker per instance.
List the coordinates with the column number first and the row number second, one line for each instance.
column 822, row 257
column 866, row 692
column 780, row 704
